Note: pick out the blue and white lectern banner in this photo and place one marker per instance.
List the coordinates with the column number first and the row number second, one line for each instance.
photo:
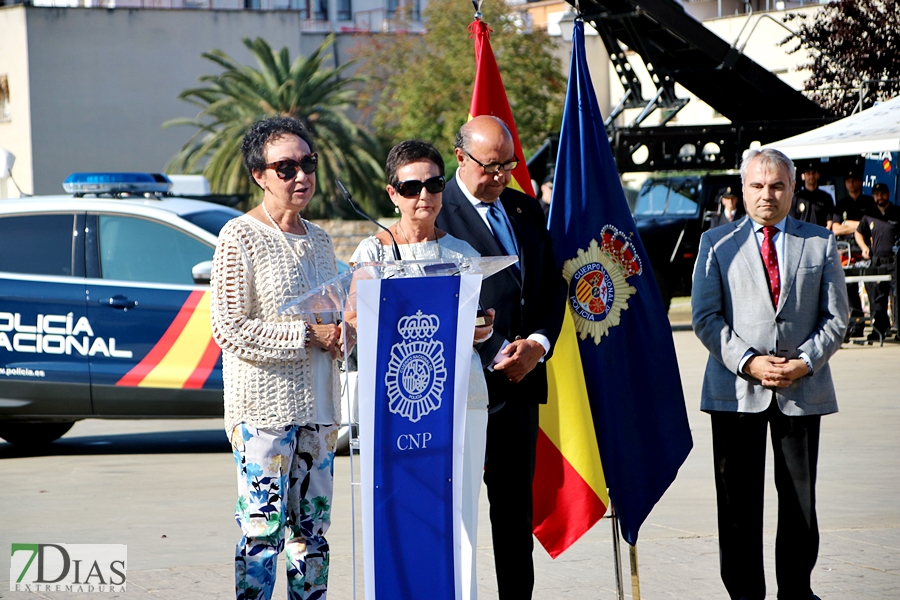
column 415, row 349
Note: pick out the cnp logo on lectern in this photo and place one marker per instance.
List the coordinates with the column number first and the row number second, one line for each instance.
column 67, row 568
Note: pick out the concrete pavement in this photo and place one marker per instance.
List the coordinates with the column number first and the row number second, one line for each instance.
column 166, row 489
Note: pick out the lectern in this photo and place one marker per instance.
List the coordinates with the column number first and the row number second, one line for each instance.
column 415, row 323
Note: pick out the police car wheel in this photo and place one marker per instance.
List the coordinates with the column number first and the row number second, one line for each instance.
column 342, row 446
column 32, row 433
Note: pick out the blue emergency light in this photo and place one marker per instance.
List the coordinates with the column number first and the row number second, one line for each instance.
column 117, row 183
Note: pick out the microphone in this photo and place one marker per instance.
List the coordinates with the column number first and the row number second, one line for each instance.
column 349, row 199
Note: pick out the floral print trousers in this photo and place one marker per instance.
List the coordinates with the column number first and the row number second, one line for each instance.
column 285, row 483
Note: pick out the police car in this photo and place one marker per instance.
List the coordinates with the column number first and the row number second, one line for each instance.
column 104, row 305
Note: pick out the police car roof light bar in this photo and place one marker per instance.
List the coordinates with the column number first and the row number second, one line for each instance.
column 80, row 184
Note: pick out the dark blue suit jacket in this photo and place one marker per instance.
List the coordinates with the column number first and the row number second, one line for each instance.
column 534, row 303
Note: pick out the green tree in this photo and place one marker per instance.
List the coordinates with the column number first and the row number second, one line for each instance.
column 854, row 44
column 319, row 97
column 425, row 80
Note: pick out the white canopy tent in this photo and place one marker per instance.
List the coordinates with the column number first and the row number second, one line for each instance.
column 876, row 129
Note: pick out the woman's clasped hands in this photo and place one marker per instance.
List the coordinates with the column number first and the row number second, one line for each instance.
column 329, row 338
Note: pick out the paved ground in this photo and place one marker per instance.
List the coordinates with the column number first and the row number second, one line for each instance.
column 165, row 488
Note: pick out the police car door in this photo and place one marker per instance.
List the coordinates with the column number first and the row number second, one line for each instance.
column 156, row 356
column 43, row 321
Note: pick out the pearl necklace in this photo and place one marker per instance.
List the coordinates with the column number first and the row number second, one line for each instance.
column 293, row 250
column 412, row 249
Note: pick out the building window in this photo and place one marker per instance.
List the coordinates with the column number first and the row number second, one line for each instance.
column 344, row 10
column 409, row 10
column 321, row 13
column 4, row 98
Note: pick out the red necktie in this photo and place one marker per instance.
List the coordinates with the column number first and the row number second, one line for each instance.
column 770, row 259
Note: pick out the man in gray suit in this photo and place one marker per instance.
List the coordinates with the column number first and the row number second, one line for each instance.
column 770, row 304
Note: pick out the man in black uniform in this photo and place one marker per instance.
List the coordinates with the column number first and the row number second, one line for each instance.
column 729, row 213
column 811, row 204
column 844, row 223
column 851, row 208
column 877, row 236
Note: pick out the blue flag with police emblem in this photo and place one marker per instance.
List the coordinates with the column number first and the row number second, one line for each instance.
column 623, row 334
column 415, row 349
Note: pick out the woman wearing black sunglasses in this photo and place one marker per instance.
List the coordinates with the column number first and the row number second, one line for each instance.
column 282, row 393
column 415, row 173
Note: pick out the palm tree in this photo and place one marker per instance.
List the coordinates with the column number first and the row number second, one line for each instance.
column 233, row 100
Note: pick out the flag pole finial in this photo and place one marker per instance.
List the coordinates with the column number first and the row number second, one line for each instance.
column 477, row 4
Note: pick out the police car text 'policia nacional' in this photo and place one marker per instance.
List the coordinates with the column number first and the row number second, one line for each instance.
column 104, row 305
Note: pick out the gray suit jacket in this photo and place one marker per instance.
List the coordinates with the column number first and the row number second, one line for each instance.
column 733, row 313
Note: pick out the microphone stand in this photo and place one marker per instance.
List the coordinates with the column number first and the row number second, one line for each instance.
column 349, row 198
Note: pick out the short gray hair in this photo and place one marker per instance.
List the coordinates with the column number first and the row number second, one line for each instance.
column 771, row 157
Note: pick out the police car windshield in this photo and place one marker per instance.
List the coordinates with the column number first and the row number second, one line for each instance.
column 667, row 197
column 211, row 220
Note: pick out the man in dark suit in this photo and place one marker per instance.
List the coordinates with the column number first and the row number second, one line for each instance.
column 529, row 299
column 770, row 304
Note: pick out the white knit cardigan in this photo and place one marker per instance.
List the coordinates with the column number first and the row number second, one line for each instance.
column 266, row 370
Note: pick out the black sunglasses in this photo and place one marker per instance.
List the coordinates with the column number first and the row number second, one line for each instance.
column 494, row 168
column 287, row 169
column 413, row 187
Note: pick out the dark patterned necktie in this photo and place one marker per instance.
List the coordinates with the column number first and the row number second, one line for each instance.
column 770, row 259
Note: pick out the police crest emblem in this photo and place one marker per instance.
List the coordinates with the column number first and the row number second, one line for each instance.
column 598, row 292
column 416, row 369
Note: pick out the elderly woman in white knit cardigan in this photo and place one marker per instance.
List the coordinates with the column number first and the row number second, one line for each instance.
column 282, row 394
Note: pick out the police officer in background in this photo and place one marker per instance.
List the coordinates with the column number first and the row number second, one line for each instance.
column 851, row 208
column 729, row 213
column 811, row 204
column 877, row 236
column 844, row 223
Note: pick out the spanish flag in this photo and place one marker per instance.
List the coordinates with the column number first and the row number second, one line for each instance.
column 569, row 489
column 615, row 389
column 489, row 98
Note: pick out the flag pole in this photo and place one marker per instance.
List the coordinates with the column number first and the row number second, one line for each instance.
column 617, row 561
column 353, row 443
column 617, row 554
column 635, row 578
